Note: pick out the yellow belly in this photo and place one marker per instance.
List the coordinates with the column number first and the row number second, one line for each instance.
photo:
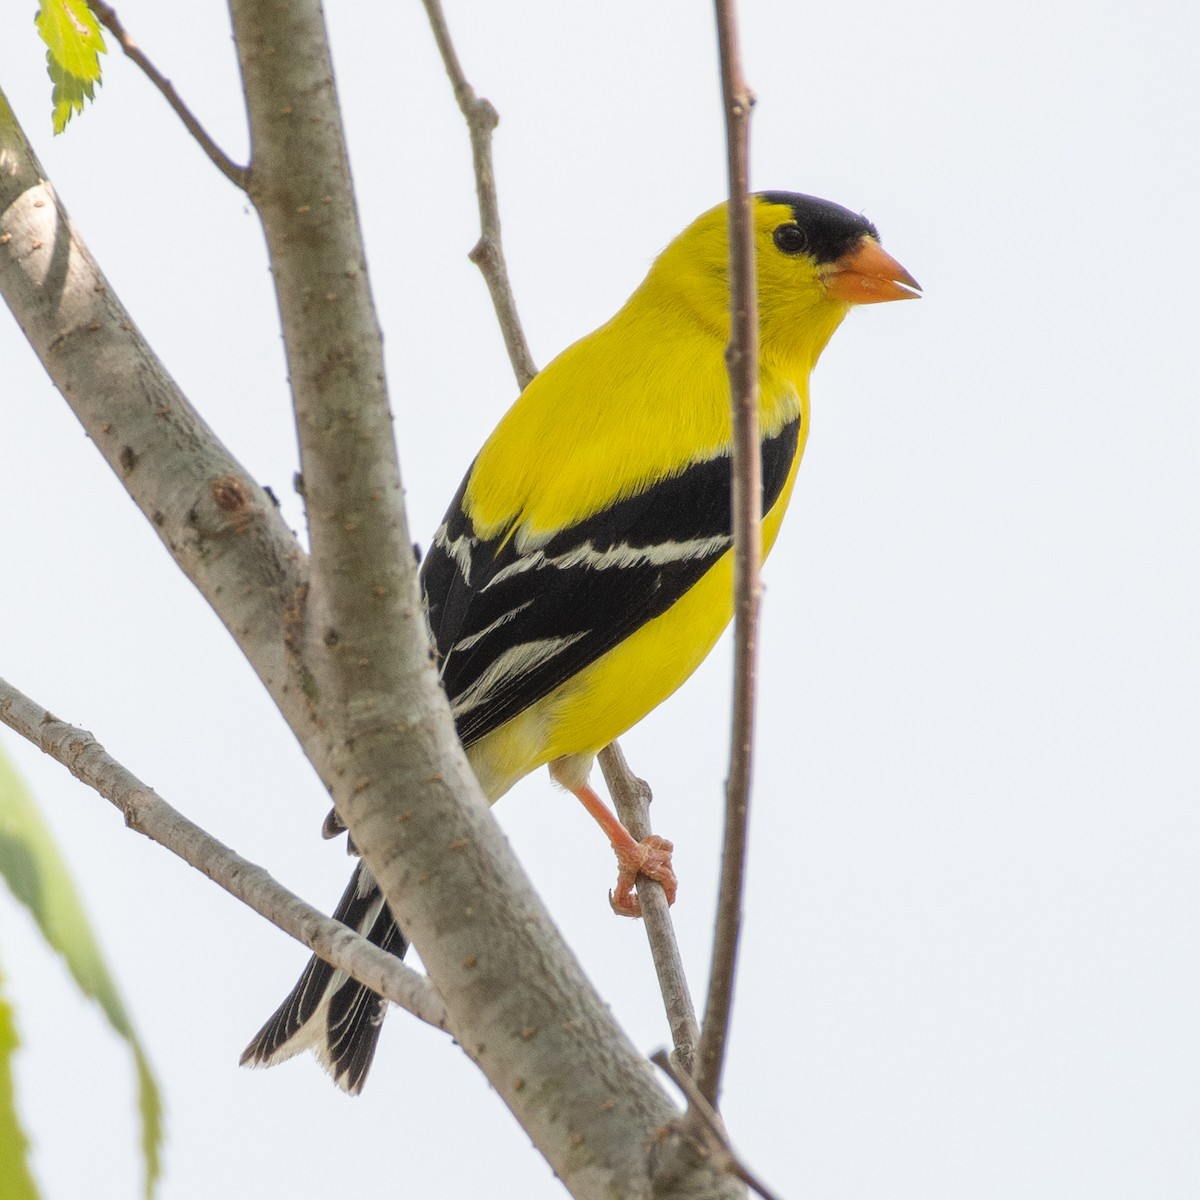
column 605, row 699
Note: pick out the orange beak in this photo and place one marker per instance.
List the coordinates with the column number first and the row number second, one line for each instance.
column 870, row 275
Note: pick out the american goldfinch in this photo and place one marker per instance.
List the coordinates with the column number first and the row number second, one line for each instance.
column 584, row 568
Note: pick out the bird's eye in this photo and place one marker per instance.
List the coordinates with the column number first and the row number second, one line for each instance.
column 791, row 239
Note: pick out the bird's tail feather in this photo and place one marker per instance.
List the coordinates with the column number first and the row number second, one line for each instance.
column 327, row 1011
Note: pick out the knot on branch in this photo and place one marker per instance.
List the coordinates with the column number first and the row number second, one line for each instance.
column 484, row 254
column 482, row 114
column 229, row 493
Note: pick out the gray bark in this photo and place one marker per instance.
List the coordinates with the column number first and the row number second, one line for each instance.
column 340, row 642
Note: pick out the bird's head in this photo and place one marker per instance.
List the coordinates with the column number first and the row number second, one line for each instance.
column 814, row 260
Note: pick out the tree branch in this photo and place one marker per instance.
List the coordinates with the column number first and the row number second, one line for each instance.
column 220, row 527
column 742, row 359
column 488, row 254
column 109, row 19
column 703, row 1116
column 516, row 998
column 631, row 796
column 519, row 1003
column 146, row 812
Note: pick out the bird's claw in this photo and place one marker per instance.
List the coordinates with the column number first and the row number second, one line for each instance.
column 651, row 857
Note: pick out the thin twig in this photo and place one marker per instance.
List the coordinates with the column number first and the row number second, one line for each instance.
column 742, row 359
column 146, row 812
column 109, row 19
column 706, row 1118
column 488, row 254
column 631, row 796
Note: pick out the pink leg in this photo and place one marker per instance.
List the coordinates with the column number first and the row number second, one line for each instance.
column 650, row 857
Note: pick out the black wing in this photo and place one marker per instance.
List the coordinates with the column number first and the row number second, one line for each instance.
column 511, row 625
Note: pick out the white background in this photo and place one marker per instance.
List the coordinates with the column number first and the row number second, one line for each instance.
column 970, row 964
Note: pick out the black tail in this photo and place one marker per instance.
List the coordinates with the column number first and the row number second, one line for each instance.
column 327, row 1011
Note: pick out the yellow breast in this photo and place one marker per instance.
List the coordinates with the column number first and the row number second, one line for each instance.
column 599, row 704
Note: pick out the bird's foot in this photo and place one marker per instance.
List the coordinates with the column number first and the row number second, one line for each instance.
column 651, row 858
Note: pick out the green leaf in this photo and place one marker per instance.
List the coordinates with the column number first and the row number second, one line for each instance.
column 14, row 1163
column 38, row 877
column 74, row 44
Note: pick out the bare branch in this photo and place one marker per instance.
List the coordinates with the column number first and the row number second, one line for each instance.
column 488, row 254
column 702, row 1115
column 146, row 812
column 517, row 1001
column 109, row 19
column 631, row 796
column 742, row 359
column 220, row 527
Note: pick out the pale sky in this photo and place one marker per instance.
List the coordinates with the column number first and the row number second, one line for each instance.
column 970, row 964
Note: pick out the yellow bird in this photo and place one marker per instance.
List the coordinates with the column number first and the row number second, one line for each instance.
column 585, row 567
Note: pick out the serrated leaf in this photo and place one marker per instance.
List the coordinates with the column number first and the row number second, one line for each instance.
column 14, row 1145
column 34, row 870
column 74, row 44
